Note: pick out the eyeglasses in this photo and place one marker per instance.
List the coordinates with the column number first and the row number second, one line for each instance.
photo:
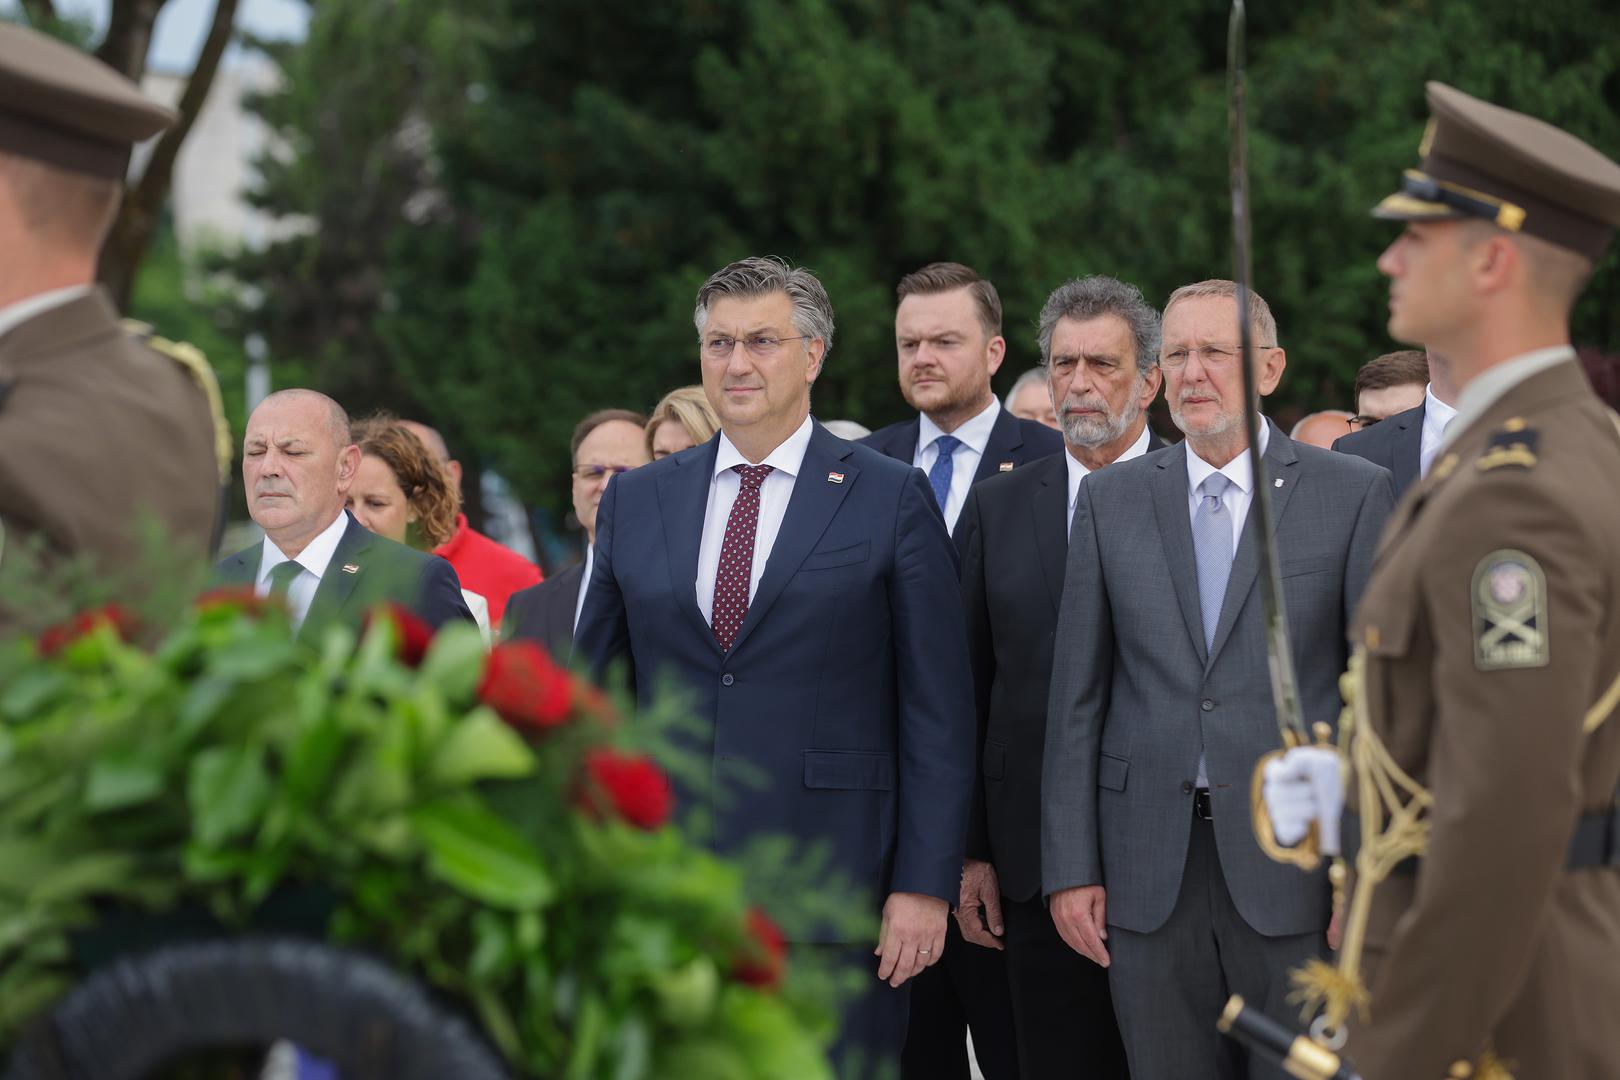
column 1364, row 421
column 759, row 346
column 596, row 472
column 1214, row 355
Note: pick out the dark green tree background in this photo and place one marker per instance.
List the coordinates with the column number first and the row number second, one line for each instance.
column 509, row 207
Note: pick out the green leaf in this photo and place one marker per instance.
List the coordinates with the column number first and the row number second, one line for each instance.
column 475, row 851
column 29, row 692
column 228, row 789
column 122, row 780
column 254, row 658
column 455, row 661
column 481, row 747
column 102, row 873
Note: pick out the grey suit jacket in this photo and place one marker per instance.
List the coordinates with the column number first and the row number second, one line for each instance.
column 1135, row 693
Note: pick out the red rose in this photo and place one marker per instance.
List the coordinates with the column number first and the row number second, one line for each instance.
column 763, row 960
column 60, row 636
column 522, row 684
column 412, row 635
column 635, row 787
column 240, row 597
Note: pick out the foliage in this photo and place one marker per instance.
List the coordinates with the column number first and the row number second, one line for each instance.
column 588, row 163
column 445, row 809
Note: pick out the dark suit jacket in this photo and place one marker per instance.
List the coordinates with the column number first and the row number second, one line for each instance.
column 1015, row 543
column 1395, row 442
column 1011, row 439
column 842, row 716
column 424, row 583
column 545, row 612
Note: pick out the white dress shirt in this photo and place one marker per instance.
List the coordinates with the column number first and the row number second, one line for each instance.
column 14, row 315
column 1436, row 415
column 1078, row 472
column 585, row 581
column 314, row 559
column 1489, row 386
column 786, row 461
column 975, row 436
column 1239, row 493
column 1235, row 500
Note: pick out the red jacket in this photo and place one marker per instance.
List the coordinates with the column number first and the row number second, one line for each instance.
column 489, row 569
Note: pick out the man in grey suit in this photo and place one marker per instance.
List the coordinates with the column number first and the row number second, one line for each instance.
column 1161, row 701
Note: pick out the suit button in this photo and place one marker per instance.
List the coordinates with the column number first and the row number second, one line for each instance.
column 727, row 679
column 1186, row 787
column 1208, row 704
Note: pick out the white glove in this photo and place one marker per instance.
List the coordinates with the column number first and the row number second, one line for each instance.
column 1305, row 785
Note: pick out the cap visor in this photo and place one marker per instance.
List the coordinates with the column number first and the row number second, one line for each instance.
column 1403, row 207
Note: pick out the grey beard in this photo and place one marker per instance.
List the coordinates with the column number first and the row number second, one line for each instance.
column 1091, row 432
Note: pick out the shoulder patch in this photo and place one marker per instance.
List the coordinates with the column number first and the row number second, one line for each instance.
column 1509, row 598
column 1514, row 445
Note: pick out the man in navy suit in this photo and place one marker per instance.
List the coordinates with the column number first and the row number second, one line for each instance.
column 802, row 591
column 947, row 331
column 1407, row 441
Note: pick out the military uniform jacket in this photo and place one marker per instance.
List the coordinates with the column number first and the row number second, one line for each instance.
column 1491, row 631
column 98, row 432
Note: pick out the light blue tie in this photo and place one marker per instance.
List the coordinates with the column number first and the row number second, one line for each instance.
column 939, row 477
column 1212, row 544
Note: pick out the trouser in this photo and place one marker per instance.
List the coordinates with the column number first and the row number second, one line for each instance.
column 1169, row 986
column 1062, row 1010
column 965, row 991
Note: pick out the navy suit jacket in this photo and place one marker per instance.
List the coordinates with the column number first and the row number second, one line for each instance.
column 842, row 716
column 383, row 571
column 1395, row 442
column 545, row 612
column 1011, row 439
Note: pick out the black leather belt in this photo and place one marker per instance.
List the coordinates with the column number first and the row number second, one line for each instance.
column 1596, row 842
column 1201, row 808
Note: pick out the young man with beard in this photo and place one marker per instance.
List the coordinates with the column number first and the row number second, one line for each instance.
column 1161, row 702
column 947, row 332
column 1099, row 344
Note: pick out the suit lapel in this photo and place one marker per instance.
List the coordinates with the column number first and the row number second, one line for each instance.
column 1175, row 527
column 1407, row 451
column 683, row 500
column 241, row 568
column 810, row 509
column 1005, row 439
column 1051, row 526
column 337, row 585
column 1281, row 464
column 560, row 615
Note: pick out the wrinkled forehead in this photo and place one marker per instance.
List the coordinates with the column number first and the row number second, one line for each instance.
column 1202, row 320
column 282, row 423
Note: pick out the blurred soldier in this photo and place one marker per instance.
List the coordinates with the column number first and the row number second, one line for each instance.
column 1489, row 637
column 100, row 436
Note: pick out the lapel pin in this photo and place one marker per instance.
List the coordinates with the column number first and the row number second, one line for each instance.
column 1277, row 482
column 835, row 478
column 351, row 568
column 1006, row 466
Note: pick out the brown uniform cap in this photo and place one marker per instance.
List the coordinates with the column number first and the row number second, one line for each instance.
column 1483, row 161
column 67, row 109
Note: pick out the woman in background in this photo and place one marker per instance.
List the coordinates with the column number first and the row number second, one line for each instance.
column 683, row 419
column 401, row 493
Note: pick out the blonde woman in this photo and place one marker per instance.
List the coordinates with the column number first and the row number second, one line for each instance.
column 683, row 419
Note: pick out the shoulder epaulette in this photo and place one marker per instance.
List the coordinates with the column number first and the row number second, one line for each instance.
column 1515, row 445
column 195, row 364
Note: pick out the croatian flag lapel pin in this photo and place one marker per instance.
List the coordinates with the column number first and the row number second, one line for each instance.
column 1006, row 466
column 835, row 478
column 351, row 568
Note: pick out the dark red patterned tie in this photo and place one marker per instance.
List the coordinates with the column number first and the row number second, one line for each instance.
column 737, row 557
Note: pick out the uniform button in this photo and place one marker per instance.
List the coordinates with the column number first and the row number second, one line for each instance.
column 1207, row 704
column 1186, row 787
column 727, row 679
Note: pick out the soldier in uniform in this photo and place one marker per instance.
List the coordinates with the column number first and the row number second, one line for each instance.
column 101, row 436
column 1486, row 753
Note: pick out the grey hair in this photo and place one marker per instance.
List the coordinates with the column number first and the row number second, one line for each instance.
column 1098, row 295
column 1029, row 378
column 337, row 420
column 761, row 275
column 1261, row 322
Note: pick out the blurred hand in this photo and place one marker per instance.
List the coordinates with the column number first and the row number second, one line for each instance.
column 1336, row 928
column 912, row 935
column 981, row 891
column 1303, row 786
column 1081, row 915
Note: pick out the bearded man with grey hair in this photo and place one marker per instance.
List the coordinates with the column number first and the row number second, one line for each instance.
column 801, row 590
column 1161, row 701
column 1099, row 345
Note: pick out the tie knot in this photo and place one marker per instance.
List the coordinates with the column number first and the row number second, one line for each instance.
column 282, row 575
column 947, row 445
column 753, row 475
column 1214, row 485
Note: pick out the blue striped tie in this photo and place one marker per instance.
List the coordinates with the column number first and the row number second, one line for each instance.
column 939, row 477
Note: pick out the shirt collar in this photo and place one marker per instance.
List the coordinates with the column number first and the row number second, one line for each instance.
column 1237, row 470
column 975, row 434
column 788, row 457
column 1077, row 471
column 14, row 315
column 1489, row 386
column 315, row 557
